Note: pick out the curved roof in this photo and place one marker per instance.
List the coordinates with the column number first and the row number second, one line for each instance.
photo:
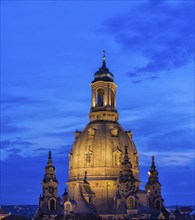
column 103, row 146
column 103, row 74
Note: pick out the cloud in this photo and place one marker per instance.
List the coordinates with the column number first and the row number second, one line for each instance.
column 9, row 129
column 10, row 99
column 16, row 146
column 177, row 140
column 26, row 148
column 17, row 141
column 137, row 81
column 172, row 159
column 161, row 32
column 8, row 126
column 163, row 113
column 60, row 151
column 168, row 134
column 143, row 79
column 19, row 103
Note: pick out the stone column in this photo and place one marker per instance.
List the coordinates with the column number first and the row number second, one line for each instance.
column 93, row 98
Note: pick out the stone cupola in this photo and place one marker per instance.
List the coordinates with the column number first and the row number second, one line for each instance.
column 103, row 95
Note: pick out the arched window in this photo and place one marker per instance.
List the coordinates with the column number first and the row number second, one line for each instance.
column 131, row 203
column 100, row 97
column 112, row 99
column 157, row 204
column 52, row 204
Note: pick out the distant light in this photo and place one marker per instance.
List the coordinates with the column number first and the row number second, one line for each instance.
column 149, row 173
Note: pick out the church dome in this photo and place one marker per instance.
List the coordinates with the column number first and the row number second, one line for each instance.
column 98, row 149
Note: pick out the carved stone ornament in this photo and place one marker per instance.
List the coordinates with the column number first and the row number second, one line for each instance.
column 91, row 132
column 117, row 157
column 77, row 133
column 114, row 132
column 136, row 160
column 89, row 157
column 70, row 154
column 130, row 134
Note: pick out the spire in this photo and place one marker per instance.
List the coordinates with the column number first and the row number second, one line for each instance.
column 126, row 173
column 104, row 59
column 49, row 190
column 153, row 173
column 49, row 163
column 126, row 160
column 153, row 167
column 49, row 155
column 65, row 192
column 126, row 157
column 153, row 187
column 49, row 169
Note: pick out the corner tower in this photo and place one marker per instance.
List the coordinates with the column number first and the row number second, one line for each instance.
column 49, row 201
column 153, row 188
column 98, row 149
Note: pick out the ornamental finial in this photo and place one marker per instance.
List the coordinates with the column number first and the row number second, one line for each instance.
column 49, row 162
column 104, row 58
column 153, row 167
column 49, row 155
column 104, row 53
column 153, row 159
column 126, row 157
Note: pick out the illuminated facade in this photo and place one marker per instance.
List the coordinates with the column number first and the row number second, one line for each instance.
column 108, row 154
column 98, row 149
column 103, row 179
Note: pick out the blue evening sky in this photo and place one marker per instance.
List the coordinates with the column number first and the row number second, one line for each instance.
column 49, row 53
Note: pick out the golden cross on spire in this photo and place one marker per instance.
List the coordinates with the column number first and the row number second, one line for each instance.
column 104, row 55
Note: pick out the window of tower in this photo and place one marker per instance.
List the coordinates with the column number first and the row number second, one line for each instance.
column 52, row 204
column 131, row 203
column 112, row 99
column 100, row 97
